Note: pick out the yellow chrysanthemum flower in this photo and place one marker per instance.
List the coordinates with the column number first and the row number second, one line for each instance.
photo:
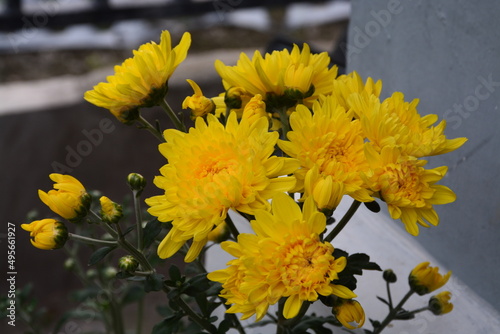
column 285, row 258
column 329, row 145
column 212, row 169
column 440, row 303
column 409, row 190
column 198, row 103
column 47, row 233
column 348, row 85
column 424, row 279
column 141, row 81
column 111, row 212
column 348, row 312
column 395, row 122
column 68, row 198
column 283, row 78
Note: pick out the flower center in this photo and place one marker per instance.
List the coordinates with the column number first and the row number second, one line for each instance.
column 214, row 167
column 404, row 181
column 306, row 263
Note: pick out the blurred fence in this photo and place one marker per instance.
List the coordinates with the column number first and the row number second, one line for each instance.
column 17, row 14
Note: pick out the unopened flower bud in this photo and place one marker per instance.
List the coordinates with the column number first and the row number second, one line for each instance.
column 234, row 96
column 389, row 276
column 424, row 279
column 91, row 274
column 69, row 264
column 47, row 233
column 349, row 312
column 440, row 303
column 198, row 103
column 111, row 212
column 136, row 182
column 220, row 233
column 128, row 263
column 68, row 199
column 109, row 272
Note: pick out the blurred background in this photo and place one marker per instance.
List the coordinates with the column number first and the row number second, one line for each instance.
column 52, row 51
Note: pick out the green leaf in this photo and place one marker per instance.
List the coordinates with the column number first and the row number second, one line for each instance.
column 224, row 326
column 201, row 300
column 356, row 263
column 168, row 325
column 372, row 206
column 153, row 282
column 123, row 274
column 174, row 273
column 84, row 294
column 314, row 323
column 151, row 231
column 89, row 314
column 197, row 284
column 100, row 254
column 383, row 301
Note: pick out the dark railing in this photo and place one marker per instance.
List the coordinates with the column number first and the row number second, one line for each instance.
column 52, row 14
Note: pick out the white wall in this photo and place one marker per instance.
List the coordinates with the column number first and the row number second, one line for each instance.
column 447, row 54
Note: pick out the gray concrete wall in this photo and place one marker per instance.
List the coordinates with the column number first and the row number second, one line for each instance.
column 447, row 54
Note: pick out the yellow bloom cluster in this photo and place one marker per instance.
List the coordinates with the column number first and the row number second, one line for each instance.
column 283, row 78
column 337, row 138
column 285, row 258
column 350, row 143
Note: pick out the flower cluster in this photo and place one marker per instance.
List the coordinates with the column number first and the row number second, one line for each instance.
column 212, row 169
column 284, row 142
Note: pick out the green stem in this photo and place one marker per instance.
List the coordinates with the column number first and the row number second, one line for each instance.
column 285, row 125
column 392, row 314
column 389, row 295
column 204, row 323
column 235, row 319
column 426, row 308
column 171, row 114
column 96, row 216
column 146, row 266
column 343, row 222
column 91, row 240
column 148, row 126
column 116, row 316
column 140, row 311
column 280, row 326
column 138, row 221
column 290, row 323
column 232, row 227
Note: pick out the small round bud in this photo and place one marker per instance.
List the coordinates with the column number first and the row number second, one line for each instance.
column 233, row 98
column 136, row 182
column 91, row 274
column 69, row 264
column 389, row 276
column 128, row 263
column 109, row 272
